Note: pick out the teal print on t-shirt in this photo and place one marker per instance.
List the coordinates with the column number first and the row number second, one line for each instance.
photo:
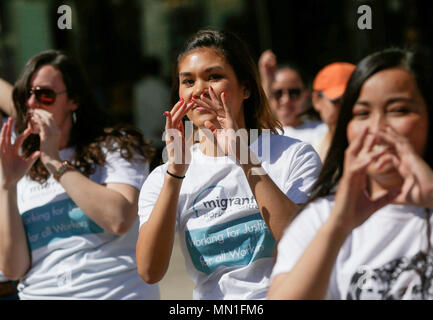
column 56, row 221
column 235, row 243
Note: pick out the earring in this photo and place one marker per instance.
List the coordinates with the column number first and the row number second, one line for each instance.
column 246, row 93
column 74, row 117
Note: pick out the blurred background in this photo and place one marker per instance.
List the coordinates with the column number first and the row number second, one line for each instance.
column 128, row 47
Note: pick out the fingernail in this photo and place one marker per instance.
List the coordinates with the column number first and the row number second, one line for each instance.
column 166, row 113
column 224, row 94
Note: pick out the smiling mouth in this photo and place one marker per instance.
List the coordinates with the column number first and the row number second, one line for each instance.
column 200, row 108
column 379, row 147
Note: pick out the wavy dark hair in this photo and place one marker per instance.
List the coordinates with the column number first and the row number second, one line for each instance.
column 91, row 130
column 257, row 112
column 418, row 63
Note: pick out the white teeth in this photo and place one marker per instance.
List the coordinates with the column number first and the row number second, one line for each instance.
column 379, row 147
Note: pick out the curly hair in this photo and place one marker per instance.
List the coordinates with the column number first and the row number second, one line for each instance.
column 90, row 133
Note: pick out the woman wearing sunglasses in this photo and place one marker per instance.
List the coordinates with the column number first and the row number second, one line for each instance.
column 285, row 87
column 69, row 190
column 366, row 232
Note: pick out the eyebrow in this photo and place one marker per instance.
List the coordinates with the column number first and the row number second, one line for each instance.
column 389, row 101
column 207, row 70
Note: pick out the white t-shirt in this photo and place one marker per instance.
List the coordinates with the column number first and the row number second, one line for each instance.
column 381, row 259
column 309, row 131
column 72, row 257
column 227, row 246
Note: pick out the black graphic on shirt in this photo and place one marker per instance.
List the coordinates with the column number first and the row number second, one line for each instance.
column 403, row 277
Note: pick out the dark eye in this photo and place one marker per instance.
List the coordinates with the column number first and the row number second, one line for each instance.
column 360, row 113
column 215, row 76
column 399, row 110
column 187, row 82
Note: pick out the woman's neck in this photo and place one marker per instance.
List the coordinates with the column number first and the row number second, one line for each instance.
column 378, row 187
column 208, row 143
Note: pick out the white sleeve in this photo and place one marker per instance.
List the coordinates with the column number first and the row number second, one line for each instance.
column 304, row 169
column 298, row 236
column 150, row 192
column 120, row 170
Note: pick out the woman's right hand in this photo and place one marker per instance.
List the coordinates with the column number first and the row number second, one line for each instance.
column 177, row 149
column 13, row 166
column 266, row 65
column 353, row 206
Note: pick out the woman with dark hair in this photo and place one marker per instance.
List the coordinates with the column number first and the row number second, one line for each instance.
column 228, row 206
column 366, row 232
column 69, row 190
column 286, row 87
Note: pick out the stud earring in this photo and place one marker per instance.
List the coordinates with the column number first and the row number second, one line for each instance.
column 74, row 117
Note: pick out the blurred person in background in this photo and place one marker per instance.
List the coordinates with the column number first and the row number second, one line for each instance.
column 328, row 88
column 288, row 94
column 151, row 98
column 69, row 190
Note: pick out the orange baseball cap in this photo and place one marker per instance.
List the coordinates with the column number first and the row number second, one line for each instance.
column 332, row 79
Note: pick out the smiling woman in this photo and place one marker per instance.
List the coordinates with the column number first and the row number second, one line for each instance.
column 56, row 239
column 371, row 238
column 228, row 218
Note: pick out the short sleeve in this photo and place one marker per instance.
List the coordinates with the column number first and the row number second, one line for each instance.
column 150, row 192
column 298, row 236
column 292, row 164
column 120, row 170
column 305, row 167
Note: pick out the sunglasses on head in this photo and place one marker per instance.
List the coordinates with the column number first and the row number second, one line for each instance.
column 294, row 93
column 45, row 96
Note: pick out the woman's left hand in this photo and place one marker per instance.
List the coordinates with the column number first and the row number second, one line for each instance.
column 417, row 188
column 228, row 132
column 49, row 133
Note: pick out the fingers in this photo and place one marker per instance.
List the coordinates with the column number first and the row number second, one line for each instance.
column 212, row 94
column 43, row 116
column 207, row 104
column 180, row 113
column 177, row 106
column 225, row 106
column 385, row 199
column 357, row 143
column 32, row 158
column 384, row 160
column 4, row 139
column 21, row 138
column 177, row 109
column 168, row 125
column 210, row 126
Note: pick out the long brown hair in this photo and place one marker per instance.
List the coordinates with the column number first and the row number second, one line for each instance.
column 257, row 112
column 91, row 129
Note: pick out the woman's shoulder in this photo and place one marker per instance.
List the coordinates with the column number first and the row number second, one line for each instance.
column 278, row 142
column 276, row 148
column 322, row 204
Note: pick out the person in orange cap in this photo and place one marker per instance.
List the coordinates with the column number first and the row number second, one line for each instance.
column 328, row 88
